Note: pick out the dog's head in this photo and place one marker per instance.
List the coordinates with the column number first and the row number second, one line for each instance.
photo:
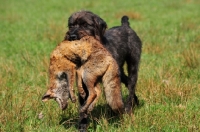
column 85, row 23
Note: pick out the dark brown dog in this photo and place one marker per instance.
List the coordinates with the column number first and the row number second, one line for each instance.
column 121, row 41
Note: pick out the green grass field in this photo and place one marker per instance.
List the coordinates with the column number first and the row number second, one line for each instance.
column 169, row 78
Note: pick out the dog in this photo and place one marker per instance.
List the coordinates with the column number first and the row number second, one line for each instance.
column 121, row 41
column 92, row 63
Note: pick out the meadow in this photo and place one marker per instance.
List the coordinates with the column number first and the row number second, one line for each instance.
column 169, row 76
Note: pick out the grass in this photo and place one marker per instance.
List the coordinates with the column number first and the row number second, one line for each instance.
column 168, row 86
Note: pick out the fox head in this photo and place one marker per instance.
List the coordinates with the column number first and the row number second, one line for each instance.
column 61, row 80
column 59, row 90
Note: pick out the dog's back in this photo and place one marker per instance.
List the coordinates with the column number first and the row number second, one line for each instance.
column 125, row 42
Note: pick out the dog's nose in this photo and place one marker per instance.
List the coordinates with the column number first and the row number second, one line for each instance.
column 73, row 37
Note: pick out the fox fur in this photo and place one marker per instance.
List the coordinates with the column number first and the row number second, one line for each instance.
column 93, row 63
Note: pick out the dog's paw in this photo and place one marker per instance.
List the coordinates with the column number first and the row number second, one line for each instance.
column 129, row 105
column 83, row 127
column 128, row 110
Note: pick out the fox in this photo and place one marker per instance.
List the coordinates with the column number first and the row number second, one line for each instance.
column 87, row 62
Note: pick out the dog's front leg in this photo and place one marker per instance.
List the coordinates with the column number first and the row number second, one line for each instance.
column 83, row 116
column 83, row 122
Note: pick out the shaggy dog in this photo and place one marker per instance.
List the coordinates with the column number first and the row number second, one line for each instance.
column 93, row 63
column 121, row 41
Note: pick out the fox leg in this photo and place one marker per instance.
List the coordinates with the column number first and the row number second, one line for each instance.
column 91, row 97
column 98, row 92
column 89, row 80
column 111, row 83
column 81, row 90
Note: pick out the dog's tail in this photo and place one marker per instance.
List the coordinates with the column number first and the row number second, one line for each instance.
column 125, row 21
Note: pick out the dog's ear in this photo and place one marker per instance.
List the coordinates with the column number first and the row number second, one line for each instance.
column 100, row 26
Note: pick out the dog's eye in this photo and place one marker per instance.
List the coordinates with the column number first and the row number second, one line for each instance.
column 85, row 25
column 70, row 26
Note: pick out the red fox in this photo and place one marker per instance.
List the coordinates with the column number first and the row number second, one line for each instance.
column 92, row 63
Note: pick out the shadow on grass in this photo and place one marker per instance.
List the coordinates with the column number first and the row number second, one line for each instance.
column 141, row 104
column 69, row 122
column 99, row 112
column 95, row 118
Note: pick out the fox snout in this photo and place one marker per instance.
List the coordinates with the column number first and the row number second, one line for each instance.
column 48, row 95
column 62, row 102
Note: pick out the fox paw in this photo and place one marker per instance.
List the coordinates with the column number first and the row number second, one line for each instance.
column 82, row 110
column 83, row 95
column 90, row 108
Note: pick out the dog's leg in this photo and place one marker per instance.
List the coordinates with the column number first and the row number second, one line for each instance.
column 83, row 122
column 132, row 80
column 83, row 116
column 124, row 77
column 98, row 91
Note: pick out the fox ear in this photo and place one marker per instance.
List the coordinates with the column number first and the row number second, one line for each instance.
column 46, row 96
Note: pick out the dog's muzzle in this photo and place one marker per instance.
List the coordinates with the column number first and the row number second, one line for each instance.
column 72, row 34
column 73, row 37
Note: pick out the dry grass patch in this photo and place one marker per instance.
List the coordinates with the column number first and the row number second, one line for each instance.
column 191, row 56
column 154, row 48
column 131, row 14
column 55, row 32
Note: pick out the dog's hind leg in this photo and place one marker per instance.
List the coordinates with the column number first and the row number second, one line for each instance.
column 132, row 80
column 124, row 77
